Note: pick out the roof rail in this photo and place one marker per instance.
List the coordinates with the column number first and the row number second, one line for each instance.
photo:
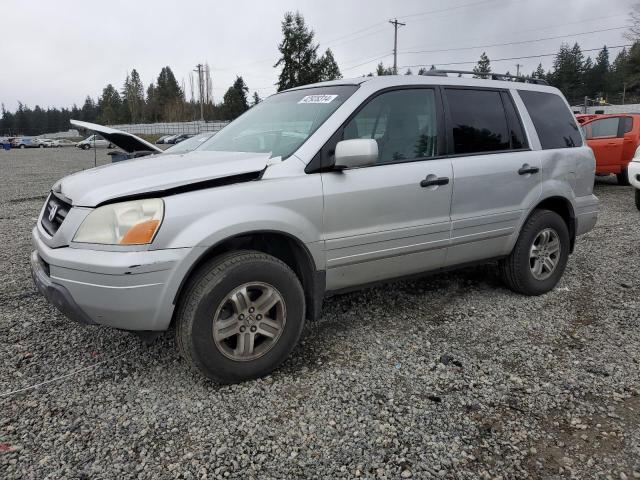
column 491, row 76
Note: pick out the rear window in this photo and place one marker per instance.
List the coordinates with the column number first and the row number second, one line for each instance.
column 478, row 120
column 553, row 120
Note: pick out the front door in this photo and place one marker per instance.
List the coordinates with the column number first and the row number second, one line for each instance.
column 392, row 218
column 606, row 139
column 496, row 177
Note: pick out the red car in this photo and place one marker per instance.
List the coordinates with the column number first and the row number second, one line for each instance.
column 613, row 139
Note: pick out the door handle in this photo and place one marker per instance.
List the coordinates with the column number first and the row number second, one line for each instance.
column 434, row 181
column 527, row 169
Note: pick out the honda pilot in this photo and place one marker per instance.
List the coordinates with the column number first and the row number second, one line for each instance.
column 317, row 190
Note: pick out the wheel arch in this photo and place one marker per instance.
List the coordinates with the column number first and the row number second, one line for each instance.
column 284, row 246
column 563, row 207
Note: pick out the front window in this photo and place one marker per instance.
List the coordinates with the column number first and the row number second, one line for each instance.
column 282, row 123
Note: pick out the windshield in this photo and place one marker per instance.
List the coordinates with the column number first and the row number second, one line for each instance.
column 281, row 123
column 190, row 143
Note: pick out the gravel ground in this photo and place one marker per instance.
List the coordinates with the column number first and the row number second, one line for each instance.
column 450, row 376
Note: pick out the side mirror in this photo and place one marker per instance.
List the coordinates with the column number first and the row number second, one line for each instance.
column 359, row 152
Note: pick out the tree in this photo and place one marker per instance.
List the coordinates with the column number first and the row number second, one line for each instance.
column 299, row 57
column 382, row 70
column 89, row 111
column 539, row 72
column 133, row 97
column 482, row 67
column 169, row 96
column 255, row 99
column 408, row 72
column 568, row 72
column 634, row 30
column 329, row 67
column 235, row 100
column 109, row 105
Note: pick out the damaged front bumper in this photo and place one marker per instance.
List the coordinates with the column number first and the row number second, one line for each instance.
column 126, row 290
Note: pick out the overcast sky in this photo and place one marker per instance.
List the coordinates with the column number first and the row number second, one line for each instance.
column 54, row 53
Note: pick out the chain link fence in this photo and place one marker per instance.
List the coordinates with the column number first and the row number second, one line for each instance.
column 171, row 128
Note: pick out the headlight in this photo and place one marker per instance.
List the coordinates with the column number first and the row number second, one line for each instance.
column 126, row 223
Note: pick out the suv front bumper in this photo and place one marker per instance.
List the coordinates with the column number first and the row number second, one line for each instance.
column 132, row 290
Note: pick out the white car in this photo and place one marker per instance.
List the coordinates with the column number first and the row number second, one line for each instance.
column 634, row 175
column 94, row 141
column 43, row 142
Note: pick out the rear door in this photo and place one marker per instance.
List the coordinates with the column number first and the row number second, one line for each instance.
column 605, row 136
column 390, row 219
column 496, row 176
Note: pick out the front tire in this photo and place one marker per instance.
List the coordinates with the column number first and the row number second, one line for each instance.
column 623, row 177
column 240, row 317
column 540, row 255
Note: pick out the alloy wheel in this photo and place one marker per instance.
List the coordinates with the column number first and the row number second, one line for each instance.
column 249, row 321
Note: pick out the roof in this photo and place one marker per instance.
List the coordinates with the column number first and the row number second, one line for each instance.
column 384, row 81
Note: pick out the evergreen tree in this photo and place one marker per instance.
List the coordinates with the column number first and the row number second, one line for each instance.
column 109, row 105
column 133, row 97
column 299, row 54
column 539, row 72
column 255, row 99
column 89, row 111
column 235, row 100
column 483, row 66
column 408, row 72
column 422, row 71
column 329, row 67
column 568, row 72
column 169, row 96
column 382, row 70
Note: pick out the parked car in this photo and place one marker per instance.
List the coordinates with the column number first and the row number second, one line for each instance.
column 634, row 176
column 42, row 142
column 170, row 139
column 22, row 142
column 178, row 138
column 62, row 142
column 162, row 139
column 614, row 140
column 316, row 190
column 190, row 144
column 94, row 141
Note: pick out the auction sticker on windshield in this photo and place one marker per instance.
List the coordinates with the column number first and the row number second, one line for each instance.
column 317, row 99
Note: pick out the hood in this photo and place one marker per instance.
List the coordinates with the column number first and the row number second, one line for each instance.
column 126, row 141
column 157, row 173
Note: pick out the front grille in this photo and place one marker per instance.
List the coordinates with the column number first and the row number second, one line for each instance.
column 55, row 211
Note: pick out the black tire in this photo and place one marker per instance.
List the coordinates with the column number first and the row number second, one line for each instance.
column 21, row 146
column 623, row 177
column 41, row 145
column 207, row 291
column 516, row 268
column 637, row 191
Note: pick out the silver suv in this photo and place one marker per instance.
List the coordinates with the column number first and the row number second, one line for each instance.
column 318, row 190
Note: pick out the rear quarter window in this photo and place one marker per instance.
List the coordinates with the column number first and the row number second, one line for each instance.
column 553, row 120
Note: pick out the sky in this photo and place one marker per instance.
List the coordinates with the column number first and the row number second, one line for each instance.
column 63, row 50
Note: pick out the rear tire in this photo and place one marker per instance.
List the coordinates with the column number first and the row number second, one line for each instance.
column 226, row 325
column 623, row 177
column 540, row 255
column 637, row 191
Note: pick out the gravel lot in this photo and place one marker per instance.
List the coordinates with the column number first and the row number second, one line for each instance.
column 450, row 376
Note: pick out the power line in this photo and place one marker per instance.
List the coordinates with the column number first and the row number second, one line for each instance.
column 520, row 42
column 516, row 58
column 368, row 61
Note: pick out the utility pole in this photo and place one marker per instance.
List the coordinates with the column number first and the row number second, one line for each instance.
column 200, row 89
column 395, row 24
column 518, row 69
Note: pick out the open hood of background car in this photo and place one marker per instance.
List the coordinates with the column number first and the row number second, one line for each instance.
column 123, row 140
